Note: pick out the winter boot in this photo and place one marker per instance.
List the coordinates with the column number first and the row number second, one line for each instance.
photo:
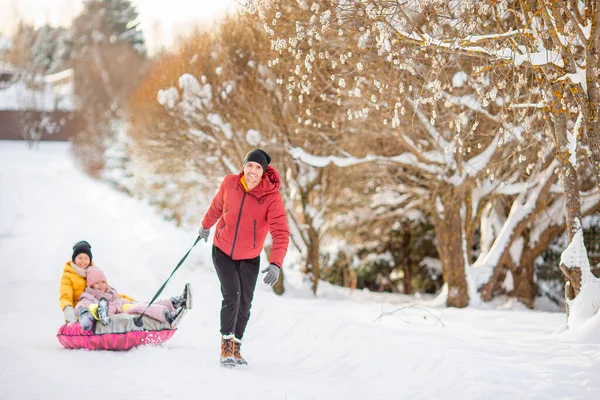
column 173, row 317
column 227, row 346
column 239, row 360
column 185, row 299
column 103, row 311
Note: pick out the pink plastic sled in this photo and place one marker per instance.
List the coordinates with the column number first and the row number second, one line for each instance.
column 71, row 336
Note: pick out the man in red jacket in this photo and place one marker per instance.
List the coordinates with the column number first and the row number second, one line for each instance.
column 247, row 207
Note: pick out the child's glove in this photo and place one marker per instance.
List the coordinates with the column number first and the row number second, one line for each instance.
column 69, row 314
column 272, row 274
column 86, row 320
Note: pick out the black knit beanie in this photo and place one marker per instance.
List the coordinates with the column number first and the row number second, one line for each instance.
column 82, row 247
column 258, row 156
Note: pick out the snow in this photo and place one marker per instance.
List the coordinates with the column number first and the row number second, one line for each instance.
column 459, row 79
column 60, row 76
column 579, row 77
column 19, row 96
column 586, row 305
column 168, row 97
column 253, row 137
column 299, row 153
column 539, row 58
column 521, row 208
column 542, row 57
column 320, row 162
column 5, row 43
column 196, row 95
column 225, row 127
column 332, row 346
column 476, row 164
column 477, row 38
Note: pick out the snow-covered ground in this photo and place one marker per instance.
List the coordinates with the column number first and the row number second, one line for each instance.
column 299, row 347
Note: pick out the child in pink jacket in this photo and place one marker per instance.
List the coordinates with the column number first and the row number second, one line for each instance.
column 99, row 293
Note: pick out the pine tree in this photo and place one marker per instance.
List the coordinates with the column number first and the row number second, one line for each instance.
column 108, row 22
column 50, row 49
column 43, row 50
column 108, row 58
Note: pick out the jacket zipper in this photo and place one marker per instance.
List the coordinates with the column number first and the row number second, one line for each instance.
column 237, row 225
column 220, row 229
column 254, row 234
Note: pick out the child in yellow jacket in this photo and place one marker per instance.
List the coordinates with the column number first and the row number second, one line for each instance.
column 73, row 280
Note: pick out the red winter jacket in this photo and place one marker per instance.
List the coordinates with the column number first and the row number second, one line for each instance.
column 244, row 218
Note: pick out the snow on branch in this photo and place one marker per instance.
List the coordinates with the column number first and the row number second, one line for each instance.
column 539, row 58
column 478, row 38
column 299, row 153
column 578, row 78
column 522, row 207
column 471, row 103
column 527, row 105
column 476, row 164
column 438, row 139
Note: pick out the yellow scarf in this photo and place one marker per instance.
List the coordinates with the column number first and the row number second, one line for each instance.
column 243, row 180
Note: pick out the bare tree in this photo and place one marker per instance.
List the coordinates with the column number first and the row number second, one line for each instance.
column 443, row 122
column 545, row 48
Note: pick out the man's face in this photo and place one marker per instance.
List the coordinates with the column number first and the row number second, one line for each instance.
column 253, row 172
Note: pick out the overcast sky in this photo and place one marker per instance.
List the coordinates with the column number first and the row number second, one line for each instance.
column 161, row 20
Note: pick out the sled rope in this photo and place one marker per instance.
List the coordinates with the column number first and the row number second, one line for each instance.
column 138, row 320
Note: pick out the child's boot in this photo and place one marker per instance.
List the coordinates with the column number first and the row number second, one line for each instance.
column 173, row 317
column 103, row 311
column 185, row 299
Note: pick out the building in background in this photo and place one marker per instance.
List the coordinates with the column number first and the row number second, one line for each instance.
column 37, row 107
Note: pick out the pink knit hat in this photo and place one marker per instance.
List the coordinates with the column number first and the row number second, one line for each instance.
column 94, row 275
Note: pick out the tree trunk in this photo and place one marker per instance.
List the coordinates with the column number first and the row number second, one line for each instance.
column 406, row 236
column 593, row 138
column 493, row 287
column 278, row 288
column 591, row 129
column 524, row 284
column 448, row 228
column 570, row 186
column 312, row 257
column 525, row 287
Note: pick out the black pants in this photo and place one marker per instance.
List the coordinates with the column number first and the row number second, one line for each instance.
column 238, row 280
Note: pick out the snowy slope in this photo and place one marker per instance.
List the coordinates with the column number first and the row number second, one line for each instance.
column 299, row 347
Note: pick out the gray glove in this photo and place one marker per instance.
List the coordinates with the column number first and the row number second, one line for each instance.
column 86, row 320
column 69, row 314
column 203, row 233
column 272, row 274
